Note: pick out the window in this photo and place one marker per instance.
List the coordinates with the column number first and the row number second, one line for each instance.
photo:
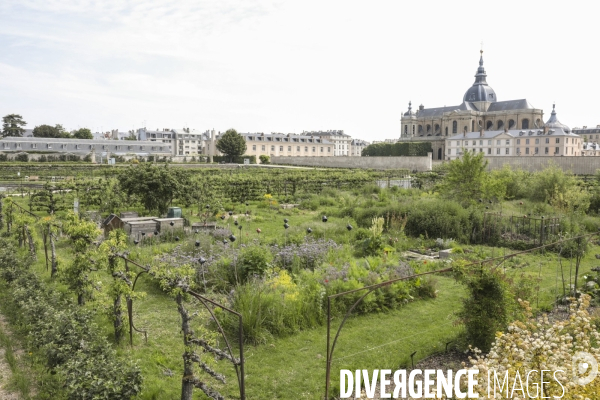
column 489, row 150
column 34, row 145
column 298, row 148
column 489, row 142
column 446, row 131
column 567, row 141
column 497, row 143
column 536, row 150
column 280, row 148
column 498, row 150
column 507, row 151
column 481, row 142
column 508, row 142
column 557, row 140
column 511, row 124
column 526, row 141
column 547, row 140
column 254, row 147
column 306, row 149
column 413, row 130
column 321, row 149
column 474, row 142
column 500, row 124
column 406, row 129
column 289, row 148
column 420, row 128
column 518, row 141
column 556, row 150
column 481, row 150
column 546, row 150
column 314, row 149
column 49, row 145
column 272, row 148
column 518, row 151
column 489, row 125
column 454, row 127
column 527, row 150
column 537, row 141
column 329, row 149
column 525, row 124
column 263, row 147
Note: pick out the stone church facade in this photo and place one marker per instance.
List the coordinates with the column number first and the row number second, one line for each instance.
column 480, row 109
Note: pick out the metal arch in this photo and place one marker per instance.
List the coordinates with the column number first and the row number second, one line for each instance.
column 369, row 289
column 382, row 284
column 239, row 372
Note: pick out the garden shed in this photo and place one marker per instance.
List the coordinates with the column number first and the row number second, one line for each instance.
column 164, row 224
column 110, row 223
column 134, row 229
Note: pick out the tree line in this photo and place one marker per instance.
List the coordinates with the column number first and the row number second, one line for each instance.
column 12, row 125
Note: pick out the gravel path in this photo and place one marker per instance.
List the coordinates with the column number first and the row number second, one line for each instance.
column 5, row 372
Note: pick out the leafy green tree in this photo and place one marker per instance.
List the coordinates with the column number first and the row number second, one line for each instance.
column 466, row 178
column 155, row 186
column 232, row 144
column 49, row 131
column 12, row 125
column 82, row 133
column 131, row 136
column 77, row 275
column 122, row 283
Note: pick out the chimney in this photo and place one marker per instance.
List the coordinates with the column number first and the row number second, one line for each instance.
column 211, row 151
column 505, row 129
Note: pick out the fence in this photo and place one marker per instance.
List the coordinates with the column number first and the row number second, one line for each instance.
column 553, row 290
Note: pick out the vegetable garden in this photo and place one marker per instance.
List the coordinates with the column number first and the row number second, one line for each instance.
column 77, row 296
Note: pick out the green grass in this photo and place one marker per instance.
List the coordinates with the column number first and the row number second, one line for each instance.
column 20, row 380
column 294, row 366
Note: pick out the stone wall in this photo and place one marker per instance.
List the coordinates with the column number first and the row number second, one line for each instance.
column 410, row 163
column 577, row 165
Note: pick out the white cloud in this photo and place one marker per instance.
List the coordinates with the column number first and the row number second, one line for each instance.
column 285, row 65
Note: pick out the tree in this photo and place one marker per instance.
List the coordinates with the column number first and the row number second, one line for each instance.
column 131, row 136
column 78, row 275
column 232, row 144
column 12, row 125
column 48, row 131
column 465, row 180
column 155, row 186
column 82, row 133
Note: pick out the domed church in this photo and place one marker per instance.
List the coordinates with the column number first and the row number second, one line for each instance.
column 480, row 109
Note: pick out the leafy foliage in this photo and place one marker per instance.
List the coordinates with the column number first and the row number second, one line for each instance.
column 155, row 186
column 231, row 144
column 49, row 131
column 82, row 133
column 397, row 149
column 12, row 125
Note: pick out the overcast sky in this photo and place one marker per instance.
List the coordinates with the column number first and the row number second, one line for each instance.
column 288, row 66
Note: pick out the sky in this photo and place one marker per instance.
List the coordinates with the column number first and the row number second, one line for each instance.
column 288, row 66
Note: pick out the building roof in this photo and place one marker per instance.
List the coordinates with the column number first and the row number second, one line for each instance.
column 510, row 105
column 480, row 91
column 554, row 123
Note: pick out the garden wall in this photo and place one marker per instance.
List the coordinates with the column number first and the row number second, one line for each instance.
column 577, row 165
column 411, row 163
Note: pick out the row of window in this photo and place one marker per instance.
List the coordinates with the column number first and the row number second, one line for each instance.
column 65, row 146
column 507, row 150
column 507, row 142
column 489, row 126
column 277, row 139
column 290, row 148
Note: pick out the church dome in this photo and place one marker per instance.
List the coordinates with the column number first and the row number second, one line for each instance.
column 480, row 91
column 554, row 123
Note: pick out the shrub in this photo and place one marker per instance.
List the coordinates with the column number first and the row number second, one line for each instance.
column 437, row 218
column 253, row 261
column 264, row 159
